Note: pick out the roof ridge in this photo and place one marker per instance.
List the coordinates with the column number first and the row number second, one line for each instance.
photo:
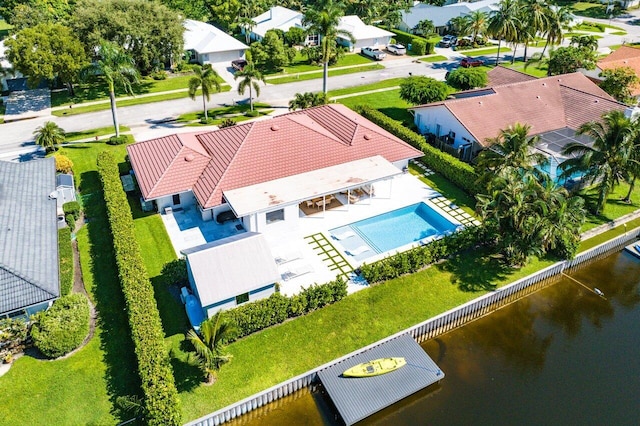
column 171, row 163
column 251, row 125
column 32, row 282
column 331, row 135
column 612, row 100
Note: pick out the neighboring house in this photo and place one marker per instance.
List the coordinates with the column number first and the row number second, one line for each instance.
column 624, row 56
column 555, row 107
column 29, row 279
column 219, row 274
column 279, row 17
column 261, row 171
column 210, row 45
column 364, row 35
column 7, row 67
column 441, row 15
column 65, row 192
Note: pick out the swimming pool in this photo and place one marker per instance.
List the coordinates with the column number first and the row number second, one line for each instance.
column 392, row 230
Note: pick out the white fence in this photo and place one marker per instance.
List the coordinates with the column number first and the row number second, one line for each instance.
column 424, row 331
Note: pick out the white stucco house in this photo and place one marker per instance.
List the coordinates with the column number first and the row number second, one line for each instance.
column 210, row 45
column 555, row 107
column 6, row 65
column 281, row 18
column 441, row 15
column 219, row 275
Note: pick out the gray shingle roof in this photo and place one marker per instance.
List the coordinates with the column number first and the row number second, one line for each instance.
column 28, row 234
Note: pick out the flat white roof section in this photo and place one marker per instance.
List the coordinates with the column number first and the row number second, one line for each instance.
column 295, row 189
column 221, row 268
column 358, row 398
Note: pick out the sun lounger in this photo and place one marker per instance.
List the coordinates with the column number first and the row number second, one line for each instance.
column 296, row 272
column 287, row 257
column 358, row 250
column 344, row 235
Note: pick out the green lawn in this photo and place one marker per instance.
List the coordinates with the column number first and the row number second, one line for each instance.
column 388, row 102
column 224, row 112
column 532, row 69
column 572, row 34
column 434, row 58
column 91, row 134
column 318, row 74
column 392, row 82
column 98, row 90
column 614, row 207
column 300, row 64
column 81, row 389
column 130, row 102
column 436, row 181
column 590, row 10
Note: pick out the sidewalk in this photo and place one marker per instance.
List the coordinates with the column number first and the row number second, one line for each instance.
column 120, row 98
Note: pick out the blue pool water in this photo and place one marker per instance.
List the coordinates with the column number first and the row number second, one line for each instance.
column 395, row 229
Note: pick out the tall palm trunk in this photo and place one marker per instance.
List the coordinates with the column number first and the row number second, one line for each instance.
column 498, row 54
column 250, row 97
column 204, row 106
column 544, row 49
column 114, row 112
column 325, row 76
column 513, row 57
column 526, row 47
column 631, row 188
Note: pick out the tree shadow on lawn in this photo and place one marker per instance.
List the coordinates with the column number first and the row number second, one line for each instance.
column 591, row 198
column 188, row 375
column 119, row 357
column 400, row 114
column 477, row 270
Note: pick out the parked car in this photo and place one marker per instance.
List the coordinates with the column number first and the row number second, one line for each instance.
column 397, row 49
column 471, row 62
column 239, row 64
column 373, row 53
column 448, row 41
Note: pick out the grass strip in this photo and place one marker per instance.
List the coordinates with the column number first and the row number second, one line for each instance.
column 301, row 64
column 315, row 75
column 128, row 102
column 392, row 82
column 434, row 58
column 91, row 134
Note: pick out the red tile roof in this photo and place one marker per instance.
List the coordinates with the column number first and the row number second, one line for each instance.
column 261, row 151
column 546, row 104
column 625, row 56
column 500, row 75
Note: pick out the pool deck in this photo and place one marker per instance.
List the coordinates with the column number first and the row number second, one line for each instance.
column 314, row 260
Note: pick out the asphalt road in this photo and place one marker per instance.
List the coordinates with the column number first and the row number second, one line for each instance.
column 148, row 119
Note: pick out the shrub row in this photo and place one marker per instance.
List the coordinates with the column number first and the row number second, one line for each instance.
column 415, row 259
column 263, row 313
column 72, row 208
column 415, row 41
column 458, row 172
column 158, row 384
column 63, row 327
column 66, row 261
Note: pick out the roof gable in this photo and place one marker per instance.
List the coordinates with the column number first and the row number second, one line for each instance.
column 205, row 38
column 28, row 234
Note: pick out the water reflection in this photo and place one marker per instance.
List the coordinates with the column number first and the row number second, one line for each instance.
column 563, row 355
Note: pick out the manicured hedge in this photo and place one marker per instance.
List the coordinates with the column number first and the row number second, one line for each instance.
column 73, row 208
column 458, row 172
column 158, row 384
column 407, row 39
column 63, row 327
column 415, row 259
column 66, row 261
column 263, row 313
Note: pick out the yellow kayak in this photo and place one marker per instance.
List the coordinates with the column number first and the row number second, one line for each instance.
column 375, row 367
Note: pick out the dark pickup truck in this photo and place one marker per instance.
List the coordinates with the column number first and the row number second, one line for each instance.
column 239, row 64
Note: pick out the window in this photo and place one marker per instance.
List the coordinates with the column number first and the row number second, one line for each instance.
column 313, row 39
column 176, row 199
column 275, row 216
column 242, row 298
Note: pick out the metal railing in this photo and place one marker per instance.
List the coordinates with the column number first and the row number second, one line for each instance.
column 426, row 330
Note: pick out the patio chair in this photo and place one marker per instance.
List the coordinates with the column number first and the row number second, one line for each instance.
column 358, row 250
column 344, row 235
column 294, row 272
column 287, row 257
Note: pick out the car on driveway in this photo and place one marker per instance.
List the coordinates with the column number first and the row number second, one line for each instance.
column 373, row 53
column 239, row 64
column 471, row 62
column 397, row 49
column 448, row 41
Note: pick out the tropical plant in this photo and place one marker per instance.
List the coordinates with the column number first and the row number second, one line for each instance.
column 558, row 18
column 207, row 79
column 63, row 163
column 307, row 100
column 323, row 19
column 210, row 345
column 633, row 167
column 419, row 90
column 117, row 68
column 535, row 17
column 247, row 25
column 477, row 22
column 512, row 148
column 467, row 78
column 618, row 82
column 49, row 135
column 424, row 27
column 606, row 162
column 250, row 77
column 459, row 25
column 503, row 24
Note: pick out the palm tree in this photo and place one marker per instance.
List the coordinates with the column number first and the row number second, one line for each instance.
column 606, row 162
column 250, row 78
column 307, row 100
column 206, row 78
column 558, row 19
column 633, row 167
column 476, row 24
column 118, row 69
column 503, row 24
column 460, row 25
column 49, row 135
column 247, row 25
column 535, row 15
column 209, row 345
column 513, row 148
column 323, row 19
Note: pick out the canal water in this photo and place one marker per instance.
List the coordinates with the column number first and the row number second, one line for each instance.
column 560, row 356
